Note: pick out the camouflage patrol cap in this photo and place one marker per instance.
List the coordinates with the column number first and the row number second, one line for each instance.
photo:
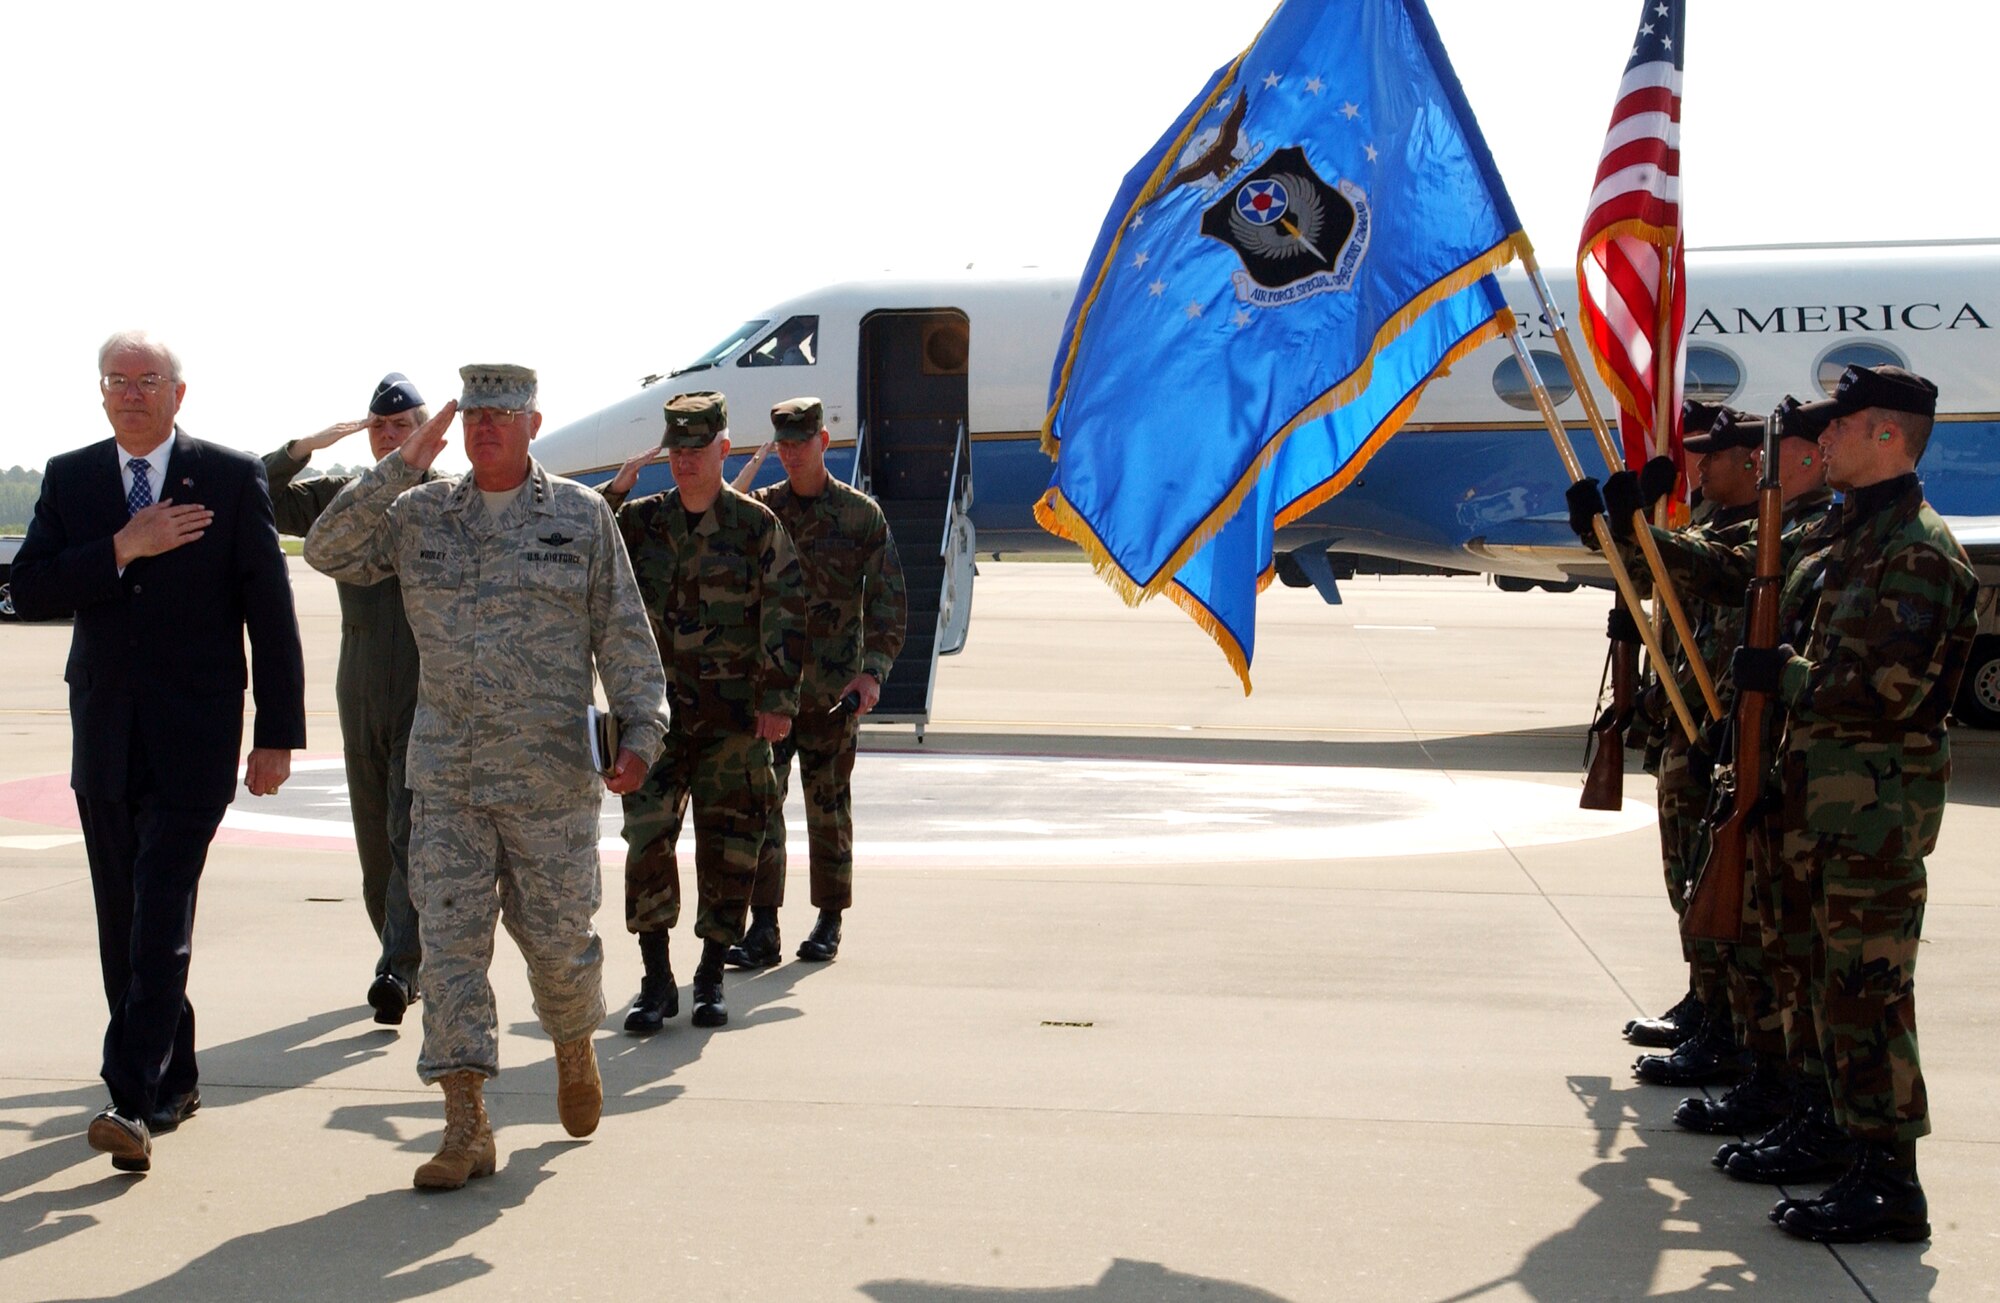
column 797, row 419
column 505, row 388
column 693, row 420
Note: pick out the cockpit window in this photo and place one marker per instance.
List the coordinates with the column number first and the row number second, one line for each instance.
column 793, row 344
column 730, row 344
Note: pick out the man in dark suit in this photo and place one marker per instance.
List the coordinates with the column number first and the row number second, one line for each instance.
column 164, row 550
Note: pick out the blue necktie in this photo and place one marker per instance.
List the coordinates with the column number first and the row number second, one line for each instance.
column 141, row 495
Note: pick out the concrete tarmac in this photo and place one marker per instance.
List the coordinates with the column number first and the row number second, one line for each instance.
column 1150, row 992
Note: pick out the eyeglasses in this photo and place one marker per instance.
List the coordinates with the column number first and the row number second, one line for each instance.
column 152, row 382
column 488, row 416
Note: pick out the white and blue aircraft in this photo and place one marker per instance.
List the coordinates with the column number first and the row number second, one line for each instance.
column 935, row 389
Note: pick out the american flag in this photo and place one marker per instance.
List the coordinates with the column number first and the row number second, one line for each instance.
column 1633, row 227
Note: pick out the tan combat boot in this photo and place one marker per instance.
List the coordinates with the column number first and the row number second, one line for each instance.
column 467, row 1150
column 579, row 1091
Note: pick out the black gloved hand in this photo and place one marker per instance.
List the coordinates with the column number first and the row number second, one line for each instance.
column 1621, row 498
column 1758, row 669
column 1621, row 627
column 1585, row 505
column 1656, row 480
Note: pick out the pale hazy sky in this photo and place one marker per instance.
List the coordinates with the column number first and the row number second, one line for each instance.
column 300, row 198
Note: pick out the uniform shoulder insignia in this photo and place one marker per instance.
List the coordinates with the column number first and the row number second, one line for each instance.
column 557, row 539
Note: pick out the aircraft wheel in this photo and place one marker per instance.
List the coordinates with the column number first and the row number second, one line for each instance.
column 6, row 604
column 1979, row 694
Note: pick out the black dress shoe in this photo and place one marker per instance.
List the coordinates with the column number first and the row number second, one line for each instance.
column 1878, row 1199
column 1711, row 1056
column 1669, row 1029
column 1757, row 1103
column 389, row 996
column 172, row 1112
column 1813, row 1150
column 760, row 945
column 124, row 1137
column 823, row 942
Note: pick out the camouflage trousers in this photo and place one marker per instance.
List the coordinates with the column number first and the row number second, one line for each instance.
column 1757, row 963
column 537, row 871
column 1859, row 1013
column 1683, row 847
column 728, row 777
column 825, row 746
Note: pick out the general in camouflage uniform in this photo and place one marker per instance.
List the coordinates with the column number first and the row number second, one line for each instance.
column 375, row 688
column 517, row 588
column 719, row 578
column 1864, row 764
column 856, row 613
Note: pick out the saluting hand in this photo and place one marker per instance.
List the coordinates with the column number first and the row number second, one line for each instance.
column 332, row 434
column 625, row 779
column 159, row 528
column 421, row 449
column 628, row 474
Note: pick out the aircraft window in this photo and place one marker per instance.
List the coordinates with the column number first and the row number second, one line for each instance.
column 725, row 348
column 1860, row 352
column 946, row 344
column 1513, row 386
column 1712, row 375
column 793, row 344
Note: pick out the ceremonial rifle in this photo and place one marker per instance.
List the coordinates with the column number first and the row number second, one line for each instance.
column 1604, row 783
column 1715, row 899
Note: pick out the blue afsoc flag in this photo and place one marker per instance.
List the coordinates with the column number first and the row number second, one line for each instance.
column 1307, row 245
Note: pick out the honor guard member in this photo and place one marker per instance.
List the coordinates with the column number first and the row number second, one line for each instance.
column 855, row 617
column 719, row 578
column 517, row 588
column 1764, row 968
column 1726, row 475
column 375, row 689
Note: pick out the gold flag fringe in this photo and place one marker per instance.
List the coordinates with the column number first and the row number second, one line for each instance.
column 1636, row 228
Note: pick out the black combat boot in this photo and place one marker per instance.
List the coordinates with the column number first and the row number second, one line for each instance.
column 658, row 999
column 759, row 947
column 1670, row 1028
column 823, row 942
column 709, row 1010
column 1710, row 1055
column 1802, row 1148
column 1756, row 1103
column 1878, row 1199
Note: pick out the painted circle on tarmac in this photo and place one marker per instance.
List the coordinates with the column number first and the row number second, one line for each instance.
column 934, row 811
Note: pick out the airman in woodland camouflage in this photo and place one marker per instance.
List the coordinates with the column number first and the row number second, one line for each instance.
column 719, row 578
column 1703, row 1046
column 1766, row 968
column 855, row 617
column 1864, row 764
column 375, row 689
column 517, row 588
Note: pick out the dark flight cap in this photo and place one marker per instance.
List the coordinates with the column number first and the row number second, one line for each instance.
column 395, row 394
column 1796, row 421
column 1698, row 417
column 498, row 386
column 1890, row 388
column 797, row 419
column 693, row 420
column 1732, row 429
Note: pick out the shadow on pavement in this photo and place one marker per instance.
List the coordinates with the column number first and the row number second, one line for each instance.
column 635, row 1069
column 293, row 1053
column 1658, row 1197
column 370, row 1247
column 1125, row 1281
